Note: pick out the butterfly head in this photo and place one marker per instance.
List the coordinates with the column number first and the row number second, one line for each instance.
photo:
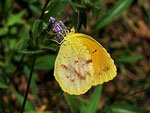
column 72, row 30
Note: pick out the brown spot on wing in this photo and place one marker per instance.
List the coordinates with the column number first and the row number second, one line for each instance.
column 76, row 61
column 72, row 80
column 88, row 61
column 79, row 74
column 87, row 73
column 64, row 66
column 94, row 50
column 67, row 76
column 106, row 69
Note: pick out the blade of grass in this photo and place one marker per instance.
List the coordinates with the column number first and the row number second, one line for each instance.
column 112, row 14
column 94, row 100
column 72, row 102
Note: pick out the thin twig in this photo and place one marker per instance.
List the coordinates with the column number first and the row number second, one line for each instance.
column 125, row 96
column 136, row 92
column 32, row 67
column 42, row 14
column 28, row 86
column 58, row 102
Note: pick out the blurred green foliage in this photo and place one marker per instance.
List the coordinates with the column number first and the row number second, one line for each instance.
column 23, row 33
column 85, row 106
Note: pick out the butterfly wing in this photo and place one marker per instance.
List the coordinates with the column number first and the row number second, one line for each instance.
column 74, row 67
column 104, row 66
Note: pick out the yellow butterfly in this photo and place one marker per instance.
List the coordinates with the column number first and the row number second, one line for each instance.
column 82, row 63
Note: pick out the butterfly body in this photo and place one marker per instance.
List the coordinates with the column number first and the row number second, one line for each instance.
column 82, row 63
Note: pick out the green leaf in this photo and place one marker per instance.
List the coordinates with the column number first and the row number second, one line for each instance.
column 28, row 106
column 98, row 3
column 97, row 9
column 123, row 107
column 12, row 44
column 129, row 59
column 2, row 64
column 25, row 51
column 3, row 31
column 24, row 42
column 45, row 62
column 55, row 9
column 76, row 6
column 51, row 47
column 15, row 18
column 72, row 102
column 116, row 11
column 36, row 8
column 36, row 26
column 3, row 85
column 107, row 109
column 5, row 7
column 94, row 100
column 33, row 81
column 8, row 4
column 93, row 3
column 13, row 30
column 83, row 108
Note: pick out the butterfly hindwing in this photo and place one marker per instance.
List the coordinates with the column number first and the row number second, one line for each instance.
column 73, row 66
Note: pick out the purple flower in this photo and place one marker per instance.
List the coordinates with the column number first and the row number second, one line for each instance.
column 59, row 28
column 52, row 20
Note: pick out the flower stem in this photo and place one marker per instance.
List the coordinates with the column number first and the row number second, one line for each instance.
column 42, row 14
column 28, row 86
column 32, row 67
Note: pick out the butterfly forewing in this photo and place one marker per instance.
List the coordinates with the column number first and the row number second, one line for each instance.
column 104, row 66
